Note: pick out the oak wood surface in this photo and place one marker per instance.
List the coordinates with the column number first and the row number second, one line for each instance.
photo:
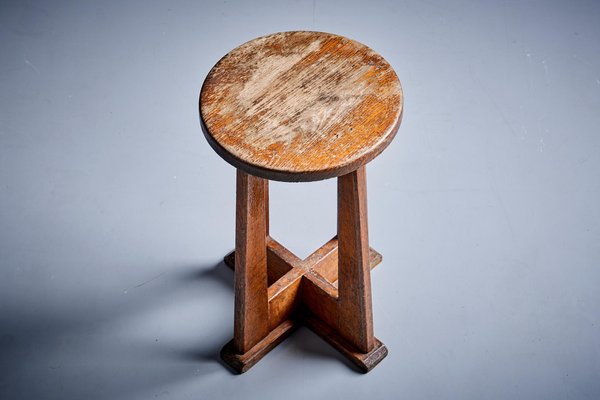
column 250, row 282
column 355, row 319
column 241, row 362
column 275, row 291
column 303, row 296
column 365, row 361
column 300, row 106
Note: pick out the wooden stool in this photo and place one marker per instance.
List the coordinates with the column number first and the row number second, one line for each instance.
column 298, row 107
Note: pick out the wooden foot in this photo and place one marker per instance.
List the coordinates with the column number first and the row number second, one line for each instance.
column 240, row 363
column 329, row 291
column 364, row 361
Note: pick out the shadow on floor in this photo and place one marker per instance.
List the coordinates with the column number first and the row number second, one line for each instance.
column 107, row 348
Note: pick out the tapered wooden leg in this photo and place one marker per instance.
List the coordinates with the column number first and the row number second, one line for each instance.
column 266, row 197
column 253, row 335
column 250, row 281
column 353, row 333
column 354, row 279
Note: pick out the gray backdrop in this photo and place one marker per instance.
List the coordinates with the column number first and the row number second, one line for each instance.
column 115, row 213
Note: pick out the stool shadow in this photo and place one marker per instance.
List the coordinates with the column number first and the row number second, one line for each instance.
column 311, row 344
column 220, row 273
column 223, row 276
column 32, row 344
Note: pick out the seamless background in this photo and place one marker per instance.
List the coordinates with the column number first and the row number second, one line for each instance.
column 115, row 212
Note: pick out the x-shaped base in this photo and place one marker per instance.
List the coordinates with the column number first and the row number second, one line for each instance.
column 302, row 292
column 329, row 291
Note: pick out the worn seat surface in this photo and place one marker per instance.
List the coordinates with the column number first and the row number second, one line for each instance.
column 300, row 106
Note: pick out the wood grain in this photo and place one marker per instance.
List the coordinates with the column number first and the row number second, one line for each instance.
column 300, row 106
column 355, row 317
column 330, row 290
column 251, row 297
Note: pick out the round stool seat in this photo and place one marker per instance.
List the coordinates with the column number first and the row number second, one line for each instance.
column 300, row 106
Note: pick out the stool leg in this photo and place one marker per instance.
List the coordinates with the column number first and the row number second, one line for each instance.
column 250, row 277
column 266, row 197
column 265, row 315
column 354, row 271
